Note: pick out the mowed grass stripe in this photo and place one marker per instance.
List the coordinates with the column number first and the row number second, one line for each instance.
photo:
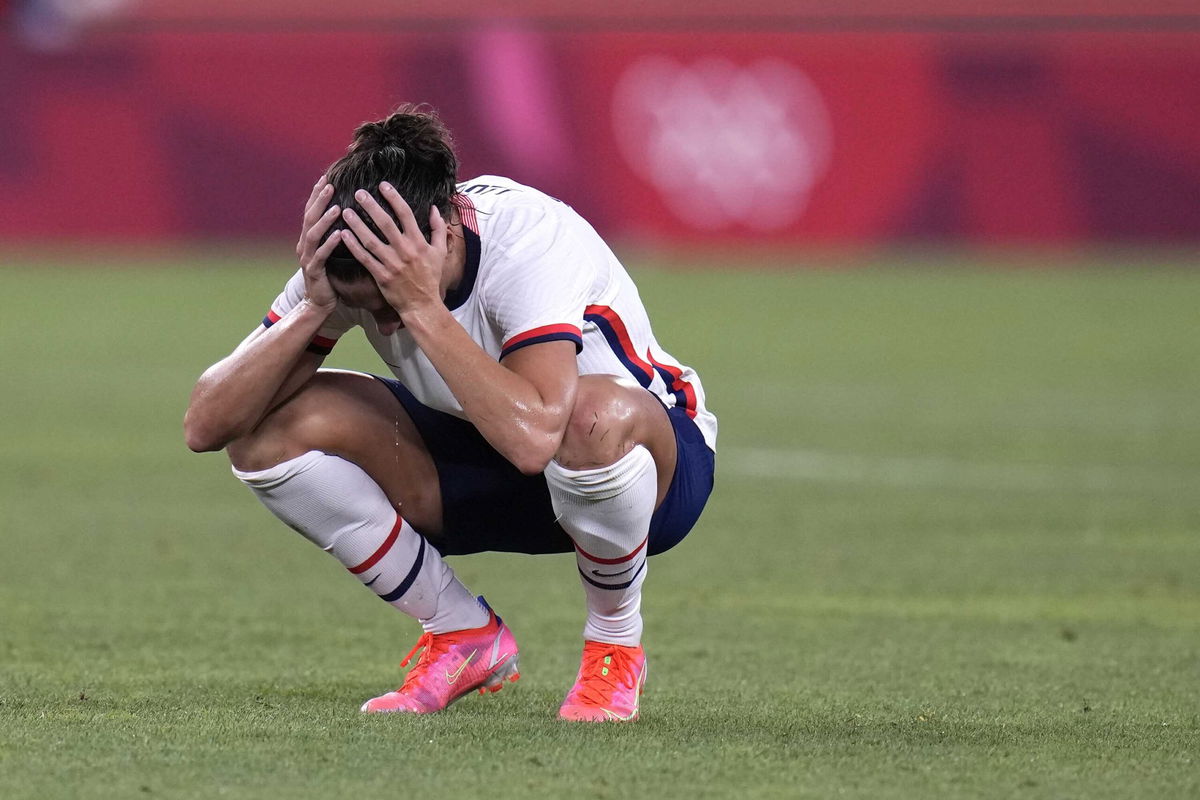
column 761, row 463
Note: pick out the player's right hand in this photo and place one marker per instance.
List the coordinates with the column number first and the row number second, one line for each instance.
column 311, row 251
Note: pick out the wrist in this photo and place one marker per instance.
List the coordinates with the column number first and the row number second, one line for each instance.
column 425, row 317
column 309, row 307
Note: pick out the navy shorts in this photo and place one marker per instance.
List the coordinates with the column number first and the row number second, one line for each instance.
column 487, row 504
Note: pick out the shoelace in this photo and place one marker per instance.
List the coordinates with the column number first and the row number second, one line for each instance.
column 428, row 656
column 600, row 679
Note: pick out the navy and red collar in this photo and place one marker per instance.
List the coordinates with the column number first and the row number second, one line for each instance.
column 459, row 294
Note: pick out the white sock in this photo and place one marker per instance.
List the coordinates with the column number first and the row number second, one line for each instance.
column 337, row 506
column 607, row 512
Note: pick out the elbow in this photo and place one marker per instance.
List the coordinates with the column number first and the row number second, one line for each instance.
column 539, row 444
column 205, row 428
column 531, row 465
column 200, row 435
column 533, row 455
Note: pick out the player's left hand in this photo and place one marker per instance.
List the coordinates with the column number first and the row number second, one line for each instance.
column 407, row 268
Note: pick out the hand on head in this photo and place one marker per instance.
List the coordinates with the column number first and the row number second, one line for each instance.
column 407, row 268
column 311, row 251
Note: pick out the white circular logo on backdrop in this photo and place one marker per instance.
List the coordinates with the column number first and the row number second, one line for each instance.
column 724, row 144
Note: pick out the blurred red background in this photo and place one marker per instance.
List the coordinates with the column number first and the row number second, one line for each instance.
column 782, row 123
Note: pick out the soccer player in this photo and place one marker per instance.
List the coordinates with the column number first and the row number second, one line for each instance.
column 531, row 410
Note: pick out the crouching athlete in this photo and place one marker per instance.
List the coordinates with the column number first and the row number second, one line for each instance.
column 531, row 411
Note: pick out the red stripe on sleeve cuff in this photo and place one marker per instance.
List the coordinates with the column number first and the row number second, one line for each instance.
column 542, row 331
column 546, row 333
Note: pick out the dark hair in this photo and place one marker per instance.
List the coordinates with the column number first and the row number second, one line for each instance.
column 410, row 149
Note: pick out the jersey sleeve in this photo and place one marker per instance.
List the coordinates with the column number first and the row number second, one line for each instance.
column 337, row 324
column 537, row 290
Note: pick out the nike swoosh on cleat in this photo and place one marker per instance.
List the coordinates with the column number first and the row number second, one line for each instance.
column 452, row 677
column 637, row 702
column 615, row 717
column 600, row 574
column 495, row 659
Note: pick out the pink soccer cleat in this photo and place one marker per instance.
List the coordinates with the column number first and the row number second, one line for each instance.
column 609, row 685
column 451, row 665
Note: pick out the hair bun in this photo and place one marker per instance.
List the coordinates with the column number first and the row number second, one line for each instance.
column 412, row 127
column 412, row 150
column 378, row 135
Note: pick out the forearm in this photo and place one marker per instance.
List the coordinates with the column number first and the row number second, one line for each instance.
column 517, row 420
column 233, row 395
column 522, row 406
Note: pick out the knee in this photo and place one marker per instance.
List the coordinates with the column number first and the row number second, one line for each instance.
column 602, row 424
column 250, row 454
column 285, row 432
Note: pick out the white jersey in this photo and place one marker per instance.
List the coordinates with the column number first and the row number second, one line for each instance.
column 535, row 272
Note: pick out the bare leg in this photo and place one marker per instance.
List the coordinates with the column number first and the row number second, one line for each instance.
column 356, row 417
column 613, row 470
column 342, row 463
column 612, row 415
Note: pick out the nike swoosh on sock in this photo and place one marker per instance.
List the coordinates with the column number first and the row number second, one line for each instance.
column 600, row 574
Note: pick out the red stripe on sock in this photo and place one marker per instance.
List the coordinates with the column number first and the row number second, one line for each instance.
column 620, row 560
column 382, row 551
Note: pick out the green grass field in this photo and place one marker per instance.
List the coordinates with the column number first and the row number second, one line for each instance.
column 954, row 551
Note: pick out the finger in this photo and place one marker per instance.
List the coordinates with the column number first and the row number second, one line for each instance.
column 438, row 228
column 312, row 216
column 322, row 253
column 366, row 236
column 408, row 223
column 313, row 211
column 312, row 237
column 319, row 188
column 387, row 225
column 321, row 183
column 373, row 265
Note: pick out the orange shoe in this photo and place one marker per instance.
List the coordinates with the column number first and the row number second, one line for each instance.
column 609, row 685
column 452, row 665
